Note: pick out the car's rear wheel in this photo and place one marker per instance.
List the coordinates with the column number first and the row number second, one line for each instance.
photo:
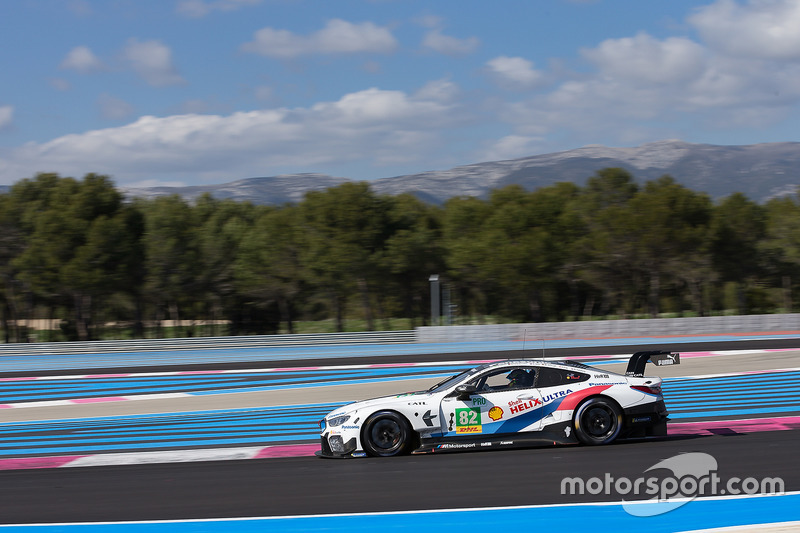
column 597, row 421
column 387, row 433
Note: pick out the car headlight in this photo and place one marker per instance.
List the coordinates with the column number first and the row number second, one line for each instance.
column 338, row 420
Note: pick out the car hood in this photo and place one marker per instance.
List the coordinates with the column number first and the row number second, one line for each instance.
column 382, row 401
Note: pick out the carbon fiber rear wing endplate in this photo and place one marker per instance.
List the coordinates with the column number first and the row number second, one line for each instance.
column 639, row 360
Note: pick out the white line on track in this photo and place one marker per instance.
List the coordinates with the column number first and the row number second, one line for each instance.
column 400, row 513
column 355, row 367
column 175, row 395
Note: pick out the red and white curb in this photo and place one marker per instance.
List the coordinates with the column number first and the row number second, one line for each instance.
column 720, row 427
column 729, row 427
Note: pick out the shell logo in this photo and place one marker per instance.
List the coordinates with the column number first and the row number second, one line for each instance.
column 495, row 413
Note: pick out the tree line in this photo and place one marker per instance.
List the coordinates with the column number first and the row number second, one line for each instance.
column 76, row 250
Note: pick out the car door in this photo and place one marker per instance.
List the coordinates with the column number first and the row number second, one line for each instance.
column 500, row 405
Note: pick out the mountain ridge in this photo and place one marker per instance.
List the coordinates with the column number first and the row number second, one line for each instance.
column 760, row 171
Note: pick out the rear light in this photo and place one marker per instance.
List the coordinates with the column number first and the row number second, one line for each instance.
column 648, row 389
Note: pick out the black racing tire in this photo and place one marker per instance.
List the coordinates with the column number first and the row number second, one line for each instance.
column 597, row 421
column 387, row 433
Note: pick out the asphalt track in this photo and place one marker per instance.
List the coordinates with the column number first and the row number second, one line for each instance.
column 306, row 485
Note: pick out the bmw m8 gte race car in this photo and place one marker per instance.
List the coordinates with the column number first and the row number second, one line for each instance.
column 505, row 404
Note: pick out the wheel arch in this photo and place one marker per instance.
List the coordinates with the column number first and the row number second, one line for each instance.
column 376, row 412
column 600, row 396
column 620, row 414
column 415, row 436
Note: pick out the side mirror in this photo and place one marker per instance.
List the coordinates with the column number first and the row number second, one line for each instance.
column 464, row 391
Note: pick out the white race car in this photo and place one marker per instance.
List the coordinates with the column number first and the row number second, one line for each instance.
column 505, row 404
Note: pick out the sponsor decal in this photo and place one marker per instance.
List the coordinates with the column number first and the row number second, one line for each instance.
column 670, row 359
column 556, row 395
column 485, row 444
column 349, row 427
column 468, row 420
column 571, row 400
column 417, row 403
column 602, row 376
column 428, row 418
column 506, row 442
column 573, row 377
column 455, row 446
column 478, row 400
column 496, row 413
column 519, row 406
column 567, row 431
column 642, row 419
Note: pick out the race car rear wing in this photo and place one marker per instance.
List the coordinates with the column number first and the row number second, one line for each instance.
column 659, row 358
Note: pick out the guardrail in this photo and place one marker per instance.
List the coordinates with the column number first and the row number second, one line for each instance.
column 432, row 334
column 647, row 327
column 196, row 343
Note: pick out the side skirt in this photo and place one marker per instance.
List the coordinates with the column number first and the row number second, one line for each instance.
column 559, row 433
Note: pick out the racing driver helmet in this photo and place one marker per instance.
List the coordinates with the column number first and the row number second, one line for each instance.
column 519, row 378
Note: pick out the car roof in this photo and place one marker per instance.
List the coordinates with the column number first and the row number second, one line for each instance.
column 540, row 362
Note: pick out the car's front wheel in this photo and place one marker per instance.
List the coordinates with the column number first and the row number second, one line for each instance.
column 597, row 421
column 387, row 433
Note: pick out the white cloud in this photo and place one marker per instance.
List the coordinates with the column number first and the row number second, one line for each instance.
column 443, row 91
column 644, row 76
column 152, row 60
column 768, row 29
column 512, row 147
column 81, row 59
column 514, row 72
column 113, row 108
column 380, row 109
column 644, row 59
column 444, row 44
column 337, row 37
column 374, row 127
column 201, row 8
column 6, row 116
column 642, row 88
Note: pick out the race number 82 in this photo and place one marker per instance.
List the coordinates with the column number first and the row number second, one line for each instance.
column 468, row 417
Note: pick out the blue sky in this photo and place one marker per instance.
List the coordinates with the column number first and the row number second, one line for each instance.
column 191, row 92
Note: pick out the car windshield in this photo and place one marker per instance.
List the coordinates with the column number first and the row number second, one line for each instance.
column 454, row 380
